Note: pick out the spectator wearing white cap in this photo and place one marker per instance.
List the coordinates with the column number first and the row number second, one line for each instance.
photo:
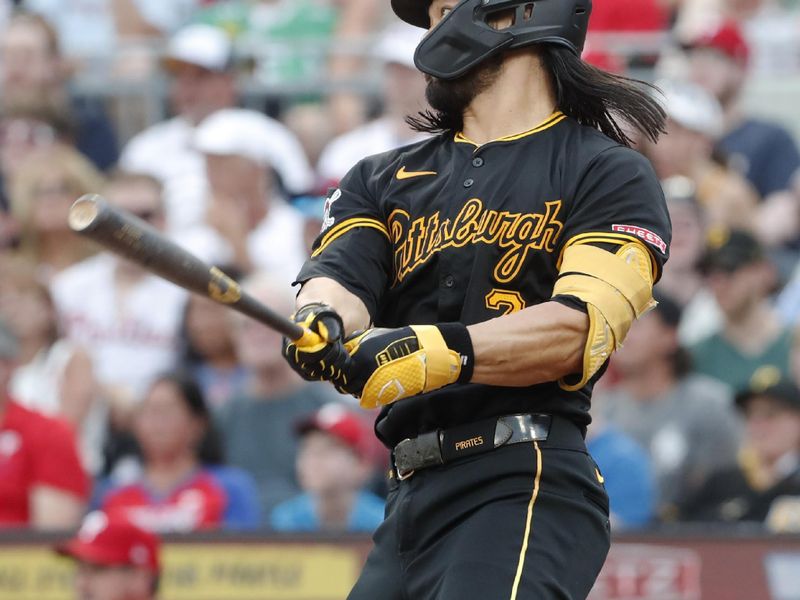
column 695, row 121
column 403, row 95
column 200, row 62
column 243, row 150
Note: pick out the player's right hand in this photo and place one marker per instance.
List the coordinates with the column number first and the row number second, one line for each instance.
column 315, row 357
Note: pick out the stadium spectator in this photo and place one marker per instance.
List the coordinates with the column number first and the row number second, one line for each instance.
column 765, row 485
column 96, row 29
column 770, row 28
column 403, row 95
column 741, row 278
column 42, row 483
column 258, row 426
column 685, row 421
column 127, row 319
column 309, row 120
column 116, row 560
column 246, row 211
column 275, row 23
column 627, row 474
column 24, row 130
column 763, row 151
column 209, row 352
column 629, row 15
column 33, row 70
column 54, row 375
column 305, row 40
column 44, row 188
column 180, row 487
column 694, row 124
column 333, row 467
column 200, row 62
column 682, row 280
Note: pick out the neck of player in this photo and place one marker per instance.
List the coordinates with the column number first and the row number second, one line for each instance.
column 518, row 100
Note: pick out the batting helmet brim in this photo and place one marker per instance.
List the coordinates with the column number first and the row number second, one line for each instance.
column 414, row 12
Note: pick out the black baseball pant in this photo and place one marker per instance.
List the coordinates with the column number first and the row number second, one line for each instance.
column 527, row 521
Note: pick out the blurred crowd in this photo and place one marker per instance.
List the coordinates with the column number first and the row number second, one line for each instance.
column 119, row 392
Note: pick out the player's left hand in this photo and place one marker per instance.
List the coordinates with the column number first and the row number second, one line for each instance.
column 387, row 365
column 317, row 354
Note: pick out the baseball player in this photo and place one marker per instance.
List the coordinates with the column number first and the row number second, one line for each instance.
column 474, row 285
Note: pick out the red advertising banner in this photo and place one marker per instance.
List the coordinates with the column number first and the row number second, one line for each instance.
column 649, row 572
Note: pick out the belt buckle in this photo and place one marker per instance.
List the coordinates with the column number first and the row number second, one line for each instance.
column 402, row 474
column 418, row 453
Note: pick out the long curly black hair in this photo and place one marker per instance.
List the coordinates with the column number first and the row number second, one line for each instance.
column 591, row 96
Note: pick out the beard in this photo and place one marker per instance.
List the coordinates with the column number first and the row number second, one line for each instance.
column 452, row 97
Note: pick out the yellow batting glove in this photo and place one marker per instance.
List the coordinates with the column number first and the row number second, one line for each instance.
column 387, row 365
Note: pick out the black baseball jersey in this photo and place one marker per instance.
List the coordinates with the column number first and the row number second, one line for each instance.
column 445, row 230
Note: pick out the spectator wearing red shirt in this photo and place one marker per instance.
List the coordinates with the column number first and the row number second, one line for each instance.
column 116, row 560
column 629, row 15
column 42, row 483
column 175, row 491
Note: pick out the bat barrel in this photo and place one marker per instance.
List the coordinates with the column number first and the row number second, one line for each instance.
column 126, row 235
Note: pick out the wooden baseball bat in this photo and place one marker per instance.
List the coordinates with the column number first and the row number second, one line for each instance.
column 128, row 236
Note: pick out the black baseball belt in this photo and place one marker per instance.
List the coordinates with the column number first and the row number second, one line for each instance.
column 446, row 445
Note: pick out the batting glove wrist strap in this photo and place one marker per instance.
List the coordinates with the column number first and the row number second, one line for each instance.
column 387, row 365
column 457, row 338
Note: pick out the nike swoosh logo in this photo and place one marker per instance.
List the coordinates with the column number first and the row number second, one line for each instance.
column 403, row 174
column 600, row 478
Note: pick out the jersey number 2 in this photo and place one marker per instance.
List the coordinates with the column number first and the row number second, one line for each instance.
column 505, row 300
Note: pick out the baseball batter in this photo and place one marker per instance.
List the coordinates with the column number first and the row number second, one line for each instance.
column 474, row 285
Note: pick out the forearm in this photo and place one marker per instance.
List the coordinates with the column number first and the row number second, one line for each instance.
column 77, row 389
column 350, row 308
column 541, row 343
column 53, row 508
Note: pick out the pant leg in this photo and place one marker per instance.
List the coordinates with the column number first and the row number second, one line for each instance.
column 518, row 523
column 382, row 575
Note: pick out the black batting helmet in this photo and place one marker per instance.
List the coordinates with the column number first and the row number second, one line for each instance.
column 464, row 38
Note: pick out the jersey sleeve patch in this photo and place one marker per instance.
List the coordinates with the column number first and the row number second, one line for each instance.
column 644, row 234
column 328, row 220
